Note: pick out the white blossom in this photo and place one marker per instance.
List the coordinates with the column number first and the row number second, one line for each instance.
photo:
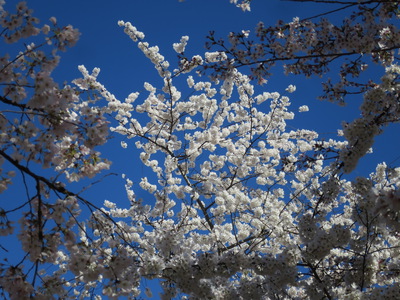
column 226, row 198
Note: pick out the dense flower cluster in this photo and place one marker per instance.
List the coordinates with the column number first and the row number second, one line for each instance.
column 239, row 205
column 45, row 125
column 242, row 207
column 368, row 35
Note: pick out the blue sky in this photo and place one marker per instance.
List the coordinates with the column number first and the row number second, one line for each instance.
column 124, row 68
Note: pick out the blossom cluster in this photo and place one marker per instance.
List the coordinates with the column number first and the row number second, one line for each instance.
column 368, row 35
column 61, row 128
column 238, row 205
column 244, row 5
column 42, row 124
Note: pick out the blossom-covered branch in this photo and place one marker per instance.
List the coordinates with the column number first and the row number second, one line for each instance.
column 237, row 204
column 368, row 34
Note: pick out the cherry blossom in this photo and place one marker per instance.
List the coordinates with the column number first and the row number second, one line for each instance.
column 314, row 46
column 239, row 204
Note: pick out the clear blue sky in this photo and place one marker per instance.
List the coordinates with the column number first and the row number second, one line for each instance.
column 124, row 68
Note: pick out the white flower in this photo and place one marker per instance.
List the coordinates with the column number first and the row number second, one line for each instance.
column 180, row 47
column 46, row 29
column 291, row 88
column 215, row 56
column 246, row 33
column 303, row 108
